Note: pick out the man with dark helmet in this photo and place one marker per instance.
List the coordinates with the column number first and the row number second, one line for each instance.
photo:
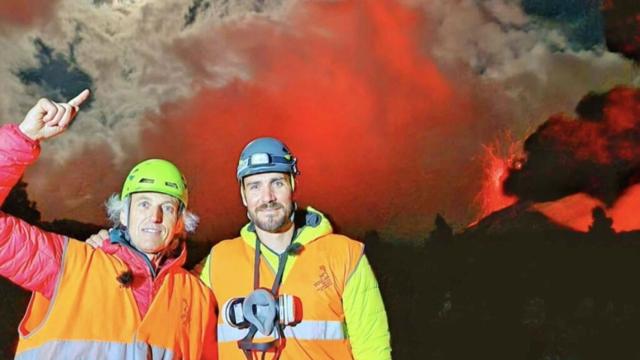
column 288, row 285
column 150, row 307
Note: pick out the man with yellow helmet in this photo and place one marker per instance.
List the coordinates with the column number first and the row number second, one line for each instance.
column 151, row 307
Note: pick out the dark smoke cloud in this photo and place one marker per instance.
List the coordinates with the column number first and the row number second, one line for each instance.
column 596, row 153
column 622, row 27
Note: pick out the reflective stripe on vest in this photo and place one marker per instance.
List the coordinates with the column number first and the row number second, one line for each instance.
column 305, row 330
column 59, row 349
column 179, row 322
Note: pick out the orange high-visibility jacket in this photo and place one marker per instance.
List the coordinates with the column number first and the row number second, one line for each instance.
column 93, row 316
column 318, row 275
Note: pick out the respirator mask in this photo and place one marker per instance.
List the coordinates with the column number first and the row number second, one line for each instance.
column 263, row 310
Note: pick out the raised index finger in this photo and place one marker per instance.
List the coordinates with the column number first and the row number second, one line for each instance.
column 78, row 100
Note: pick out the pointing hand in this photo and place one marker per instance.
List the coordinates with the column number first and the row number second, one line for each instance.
column 48, row 119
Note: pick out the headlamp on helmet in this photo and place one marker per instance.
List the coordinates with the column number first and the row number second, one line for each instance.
column 265, row 155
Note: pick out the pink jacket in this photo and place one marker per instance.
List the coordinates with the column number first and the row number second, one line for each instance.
column 30, row 256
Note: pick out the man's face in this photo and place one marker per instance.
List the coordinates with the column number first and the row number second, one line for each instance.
column 268, row 198
column 153, row 221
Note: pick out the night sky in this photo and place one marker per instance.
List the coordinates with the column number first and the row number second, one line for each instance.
column 397, row 110
column 485, row 151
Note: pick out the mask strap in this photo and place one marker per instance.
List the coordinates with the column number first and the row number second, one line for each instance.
column 256, row 265
column 246, row 344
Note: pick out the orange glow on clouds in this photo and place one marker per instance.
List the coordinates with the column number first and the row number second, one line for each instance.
column 347, row 86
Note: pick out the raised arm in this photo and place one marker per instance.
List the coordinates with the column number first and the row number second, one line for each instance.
column 29, row 256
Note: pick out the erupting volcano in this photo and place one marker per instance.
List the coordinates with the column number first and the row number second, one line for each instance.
column 498, row 159
column 575, row 165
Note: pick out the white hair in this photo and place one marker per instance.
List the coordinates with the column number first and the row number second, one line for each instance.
column 115, row 206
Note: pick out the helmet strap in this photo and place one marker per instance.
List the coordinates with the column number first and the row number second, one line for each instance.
column 294, row 208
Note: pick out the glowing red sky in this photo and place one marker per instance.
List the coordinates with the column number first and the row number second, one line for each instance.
column 346, row 85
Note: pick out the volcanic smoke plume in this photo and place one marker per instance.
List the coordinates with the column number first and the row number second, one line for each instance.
column 596, row 154
column 576, row 165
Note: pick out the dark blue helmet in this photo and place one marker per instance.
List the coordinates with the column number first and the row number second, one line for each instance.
column 265, row 155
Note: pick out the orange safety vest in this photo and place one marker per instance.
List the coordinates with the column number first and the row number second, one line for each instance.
column 92, row 316
column 317, row 277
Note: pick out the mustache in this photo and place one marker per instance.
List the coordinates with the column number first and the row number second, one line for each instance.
column 270, row 206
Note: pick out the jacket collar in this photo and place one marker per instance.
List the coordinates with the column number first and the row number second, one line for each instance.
column 310, row 224
column 119, row 240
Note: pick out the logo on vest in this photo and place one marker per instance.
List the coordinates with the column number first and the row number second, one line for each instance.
column 325, row 280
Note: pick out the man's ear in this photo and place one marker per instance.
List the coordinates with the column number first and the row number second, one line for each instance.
column 123, row 217
column 179, row 225
column 292, row 182
column 244, row 198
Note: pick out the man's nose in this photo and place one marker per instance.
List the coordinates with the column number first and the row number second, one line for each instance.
column 157, row 214
column 268, row 195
